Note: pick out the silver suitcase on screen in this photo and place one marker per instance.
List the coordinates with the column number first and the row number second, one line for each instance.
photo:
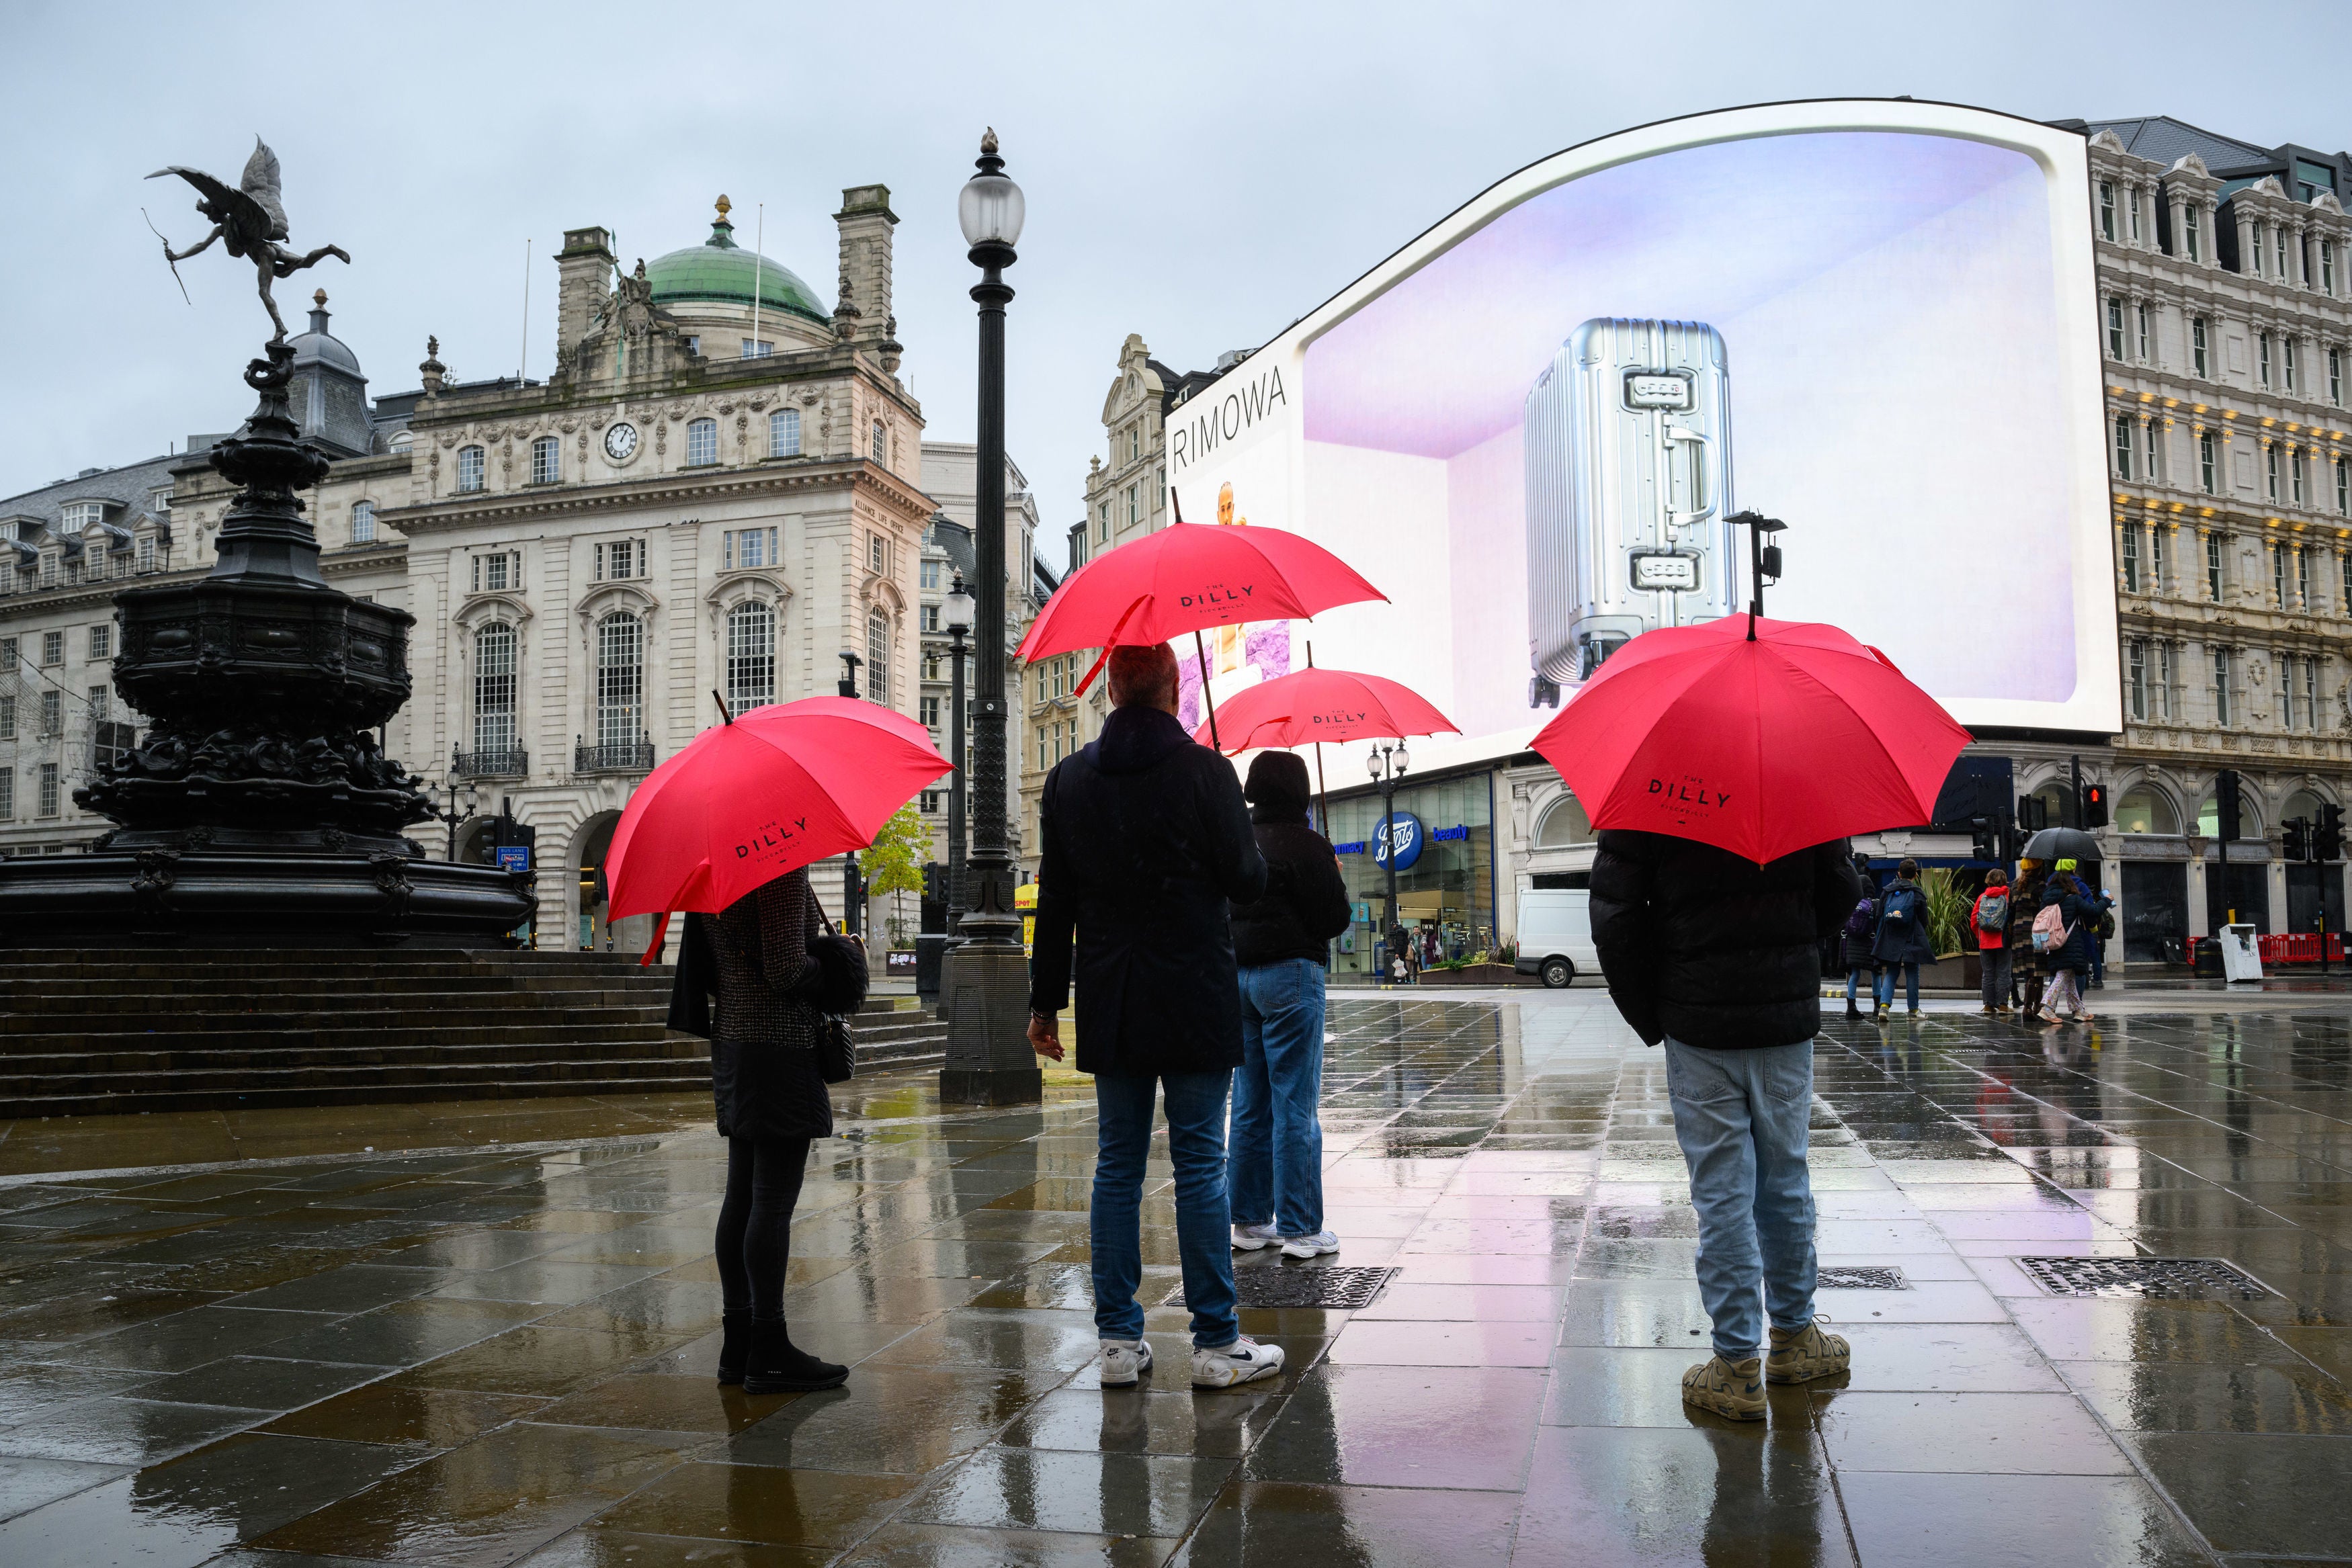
column 1629, row 484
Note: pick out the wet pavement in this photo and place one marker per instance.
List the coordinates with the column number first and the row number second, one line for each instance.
column 266, row 1344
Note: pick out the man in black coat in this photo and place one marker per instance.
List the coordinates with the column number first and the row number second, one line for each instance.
column 1720, row 958
column 1146, row 842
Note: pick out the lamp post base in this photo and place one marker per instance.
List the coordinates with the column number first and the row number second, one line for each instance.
column 984, row 996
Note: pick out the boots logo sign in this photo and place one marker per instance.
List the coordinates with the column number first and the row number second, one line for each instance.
column 1229, row 604
column 767, row 843
column 1404, row 836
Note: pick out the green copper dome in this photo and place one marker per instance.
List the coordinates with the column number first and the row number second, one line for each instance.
column 721, row 270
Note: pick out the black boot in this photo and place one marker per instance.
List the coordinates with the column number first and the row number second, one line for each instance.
column 776, row 1365
column 1851, row 1010
column 735, row 1346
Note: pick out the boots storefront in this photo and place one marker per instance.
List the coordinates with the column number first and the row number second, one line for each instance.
column 1444, row 846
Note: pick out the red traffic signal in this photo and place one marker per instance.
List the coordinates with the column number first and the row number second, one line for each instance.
column 2094, row 805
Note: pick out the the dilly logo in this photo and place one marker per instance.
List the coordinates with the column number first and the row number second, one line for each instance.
column 1403, row 833
column 1226, row 600
column 1340, row 717
column 767, row 841
column 1687, row 794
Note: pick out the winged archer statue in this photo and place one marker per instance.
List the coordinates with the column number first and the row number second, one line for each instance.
column 249, row 219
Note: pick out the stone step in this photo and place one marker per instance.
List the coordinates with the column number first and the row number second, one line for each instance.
column 42, row 1014
column 592, row 1078
column 539, row 1031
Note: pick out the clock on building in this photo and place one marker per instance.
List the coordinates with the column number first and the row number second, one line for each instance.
column 621, row 441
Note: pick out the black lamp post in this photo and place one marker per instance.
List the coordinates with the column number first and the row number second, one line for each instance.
column 446, row 813
column 853, row 881
column 958, row 611
column 984, row 989
column 1387, row 767
column 1763, row 558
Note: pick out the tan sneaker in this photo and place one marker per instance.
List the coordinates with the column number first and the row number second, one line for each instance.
column 1806, row 1354
column 1727, row 1389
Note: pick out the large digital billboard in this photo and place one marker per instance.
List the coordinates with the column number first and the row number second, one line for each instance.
column 1872, row 321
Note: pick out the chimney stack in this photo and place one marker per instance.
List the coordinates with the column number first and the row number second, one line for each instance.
column 865, row 221
column 583, row 270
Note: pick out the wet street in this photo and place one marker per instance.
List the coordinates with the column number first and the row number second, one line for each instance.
column 257, row 1340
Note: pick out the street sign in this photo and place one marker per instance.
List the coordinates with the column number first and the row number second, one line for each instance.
column 514, row 857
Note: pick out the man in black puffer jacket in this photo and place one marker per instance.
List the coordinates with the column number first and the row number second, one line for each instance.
column 1719, row 959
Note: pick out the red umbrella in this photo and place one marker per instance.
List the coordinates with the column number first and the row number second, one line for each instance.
column 781, row 787
column 1186, row 577
column 1311, row 705
column 1760, row 741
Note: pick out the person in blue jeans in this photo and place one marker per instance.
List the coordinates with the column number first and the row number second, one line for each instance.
column 1719, row 959
column 1146, row 840
column 1282, row 942
column 1902, row 942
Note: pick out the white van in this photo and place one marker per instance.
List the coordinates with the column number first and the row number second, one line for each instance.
column 1556, row 935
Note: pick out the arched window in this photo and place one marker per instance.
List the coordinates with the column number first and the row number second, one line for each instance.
column 620, row 679
column 2249, row 817
column 494, row 688
column 2303, row 803
column 362, row 522
column 2143, row 810
column 546, row 460
column 1563, row 825
column 469, row 469
column 878, row 656
column 751, row 655
column 784, row 433
column 881, row 443
column 701, row 441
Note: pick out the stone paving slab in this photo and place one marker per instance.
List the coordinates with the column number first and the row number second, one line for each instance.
column 258, row 1341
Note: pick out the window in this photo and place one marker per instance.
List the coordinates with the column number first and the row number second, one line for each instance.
column 2131, row 205
column 2198, row 346
column 879, row 439
column 694, row 344
column 2336, row 377
column 2138, row 667
column 2213, row 567
column 1134, row 504
column 2263, row 359
column 2278, row 254
column 2295, row 466
column 2257, row 257
column 2303, row 577
column 878, row 656
column 2107, row 210
column 2343, row 487
column 2193, row 221
column 2311, row 694
column 2221, row 685
column 546, row 460
column 620, row 679
column 2166, row 681
column 469, row 469
column 45, row 805
column 877, row 554
column 102, row 642
column 2152, row 452
column 159, row 501
column 362, row 524
column 2328, row 267
column 1044, row 761
column 1563, row 824
column 2139, row 319
column 2345, row 563
column 78, row 514
column 930, row 617
column 2271, row 471
column 758, row 349
column 8, row 716
column 620, row 559
column 931, row 576
column 2114, row 327
column 701, row 442
column 147, row 544
column 747, row 547
column 7, row 653
column 2286, row 353
column 2159, row 574
column 2287, row 691
column 7, row 794
column 2141, row 809
column 2123, row 447
column 494, row 687
column 933, row 666
column 751, row 655
column 931, row 706
column 48, row 569
column 497, row 572
column 784, row 433
column 2208, row 462
column 2131, row 558
column 52, row 649
column 2278, row 574
column 53, row 714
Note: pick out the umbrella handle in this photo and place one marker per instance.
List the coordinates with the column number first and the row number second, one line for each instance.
column 723, row 706
column 1201, row 649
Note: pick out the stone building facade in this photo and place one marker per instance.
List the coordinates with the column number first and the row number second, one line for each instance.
column 721, row 487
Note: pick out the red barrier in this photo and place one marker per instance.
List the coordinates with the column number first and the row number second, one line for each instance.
column 2299, row 947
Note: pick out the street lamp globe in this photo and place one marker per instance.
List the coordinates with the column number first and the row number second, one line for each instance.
column 957, row 609
column 991, row 208
column 1402, row 762
column 1373, row 762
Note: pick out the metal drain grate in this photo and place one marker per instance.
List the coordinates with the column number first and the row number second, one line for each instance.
column 1333, row 1289
column 2162, row 1277
column 1861, row 1279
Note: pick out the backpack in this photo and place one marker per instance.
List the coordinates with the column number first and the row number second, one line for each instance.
column 1858, row 923
column 1992, row 910
column 2050, row 929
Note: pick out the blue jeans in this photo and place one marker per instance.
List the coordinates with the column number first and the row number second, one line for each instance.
column 1858, row 980
column 1740, row 1117
column 1196, row 1146
column 1910, row 986
column 1276, row 1169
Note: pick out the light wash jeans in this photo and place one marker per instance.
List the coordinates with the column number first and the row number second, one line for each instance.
column 1275, row 1171
column 1740, row 1117
column 1196, row 1146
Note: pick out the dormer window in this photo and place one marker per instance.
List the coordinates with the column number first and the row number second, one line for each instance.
column 80, row 515
column 160, row 500
column 147, row 552
column 757, row 349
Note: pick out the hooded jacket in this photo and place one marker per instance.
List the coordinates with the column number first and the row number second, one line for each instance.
column 1902, row 925
column 1305, row 901
column 1144, row 840
column 1715, row 950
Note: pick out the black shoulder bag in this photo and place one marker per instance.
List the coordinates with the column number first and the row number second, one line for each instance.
column 839, row 991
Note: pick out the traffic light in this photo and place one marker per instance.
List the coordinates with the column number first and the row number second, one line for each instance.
column 2327, row 836
column 2094, row 805
column 2032, row 813
column 2296, row 833
column 2225, row 799
column 1984, row 836
column 935, row 882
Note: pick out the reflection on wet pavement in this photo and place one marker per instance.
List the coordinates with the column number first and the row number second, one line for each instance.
column 258, row 1341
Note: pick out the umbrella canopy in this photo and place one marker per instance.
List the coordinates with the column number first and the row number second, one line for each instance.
column 781, row 787
column 2054, row 844
column 1313, row 704
column 1186, row 577
column 1760, row 743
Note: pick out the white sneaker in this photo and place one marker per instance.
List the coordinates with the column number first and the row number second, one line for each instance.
column 1314, row 1246
column 1250, row 1237
column 1231, row 1366
column 1123, row 1361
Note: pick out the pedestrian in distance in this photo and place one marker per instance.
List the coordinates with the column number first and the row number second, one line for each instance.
column 2063, row 930
column 2028, row 968
column 1988, row 918
column 2103, row 928
column 1147, row 843
column 772, row 1102
column 1717, row 959
column 1853, row 943
column 1901, row 941
column 1283, row 942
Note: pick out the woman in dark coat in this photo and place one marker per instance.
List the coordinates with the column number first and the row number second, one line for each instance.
column 1854, row 947
column 2028, row 970
column 771, row 1101
column 2079, row 913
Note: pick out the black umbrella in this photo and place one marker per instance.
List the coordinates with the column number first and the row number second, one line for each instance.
column 2054, row 844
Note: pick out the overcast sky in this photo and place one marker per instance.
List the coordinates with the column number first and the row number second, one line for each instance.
column 1201, row 173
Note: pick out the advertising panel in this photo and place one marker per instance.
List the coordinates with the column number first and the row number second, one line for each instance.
column 1874, row 320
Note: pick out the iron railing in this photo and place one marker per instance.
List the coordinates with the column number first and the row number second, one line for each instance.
column 513, row 762
column 624, row 756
